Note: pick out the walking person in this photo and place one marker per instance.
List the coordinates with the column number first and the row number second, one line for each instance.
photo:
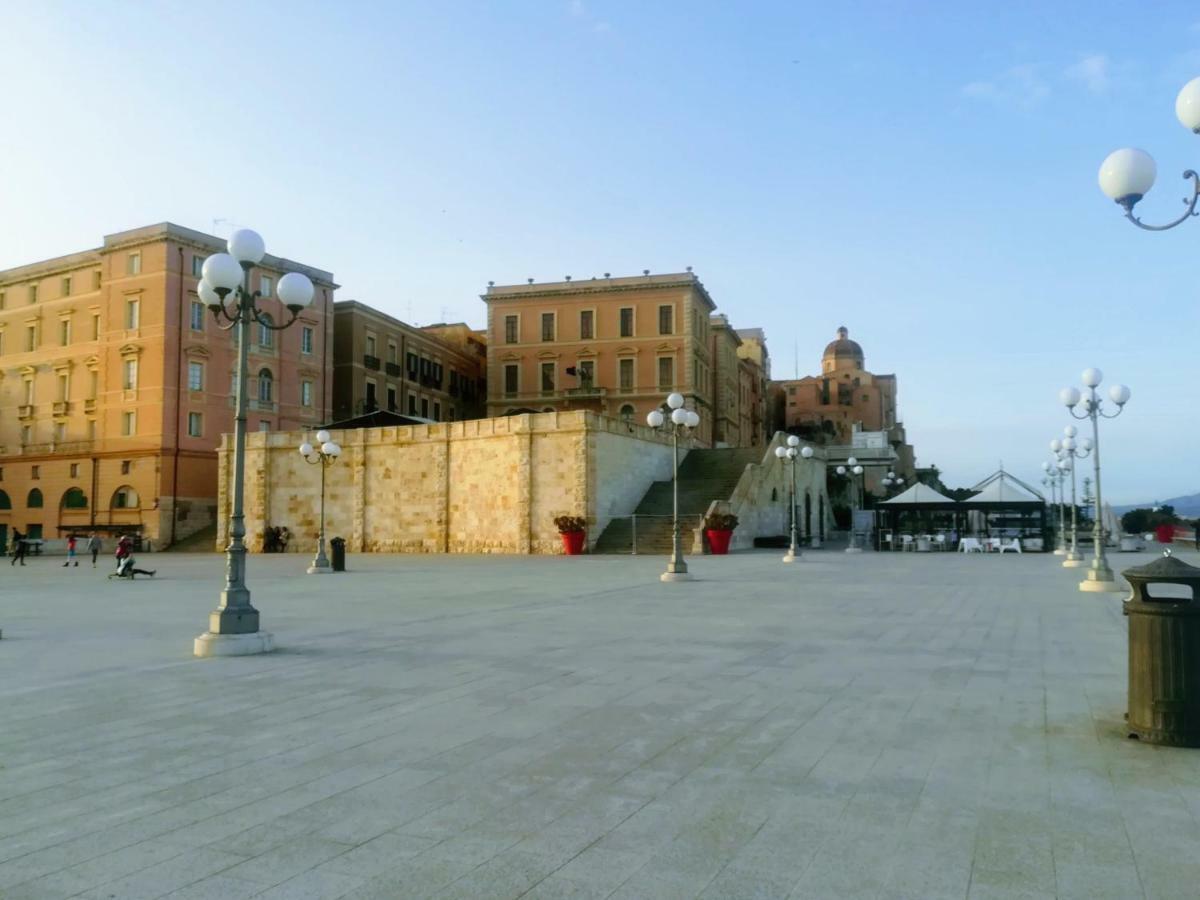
column 95, row 546
column 71, row 552
column 18, row 548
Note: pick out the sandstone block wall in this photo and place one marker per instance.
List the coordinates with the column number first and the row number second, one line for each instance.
column 760, row 500
column 480, row 486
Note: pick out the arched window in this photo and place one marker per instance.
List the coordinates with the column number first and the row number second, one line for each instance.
column 34, row 500
column 125, row 497
column 627, row 413
column 265, row 336
column 5, row 503
column 74, row 499
column 265, row 385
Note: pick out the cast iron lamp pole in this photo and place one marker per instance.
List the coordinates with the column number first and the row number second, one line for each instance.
column 1071, row 451
column 225, row 289
column 788, row 456
column 1127, row 175
column 851, row 470
column 682, row 420
column 1099, row 576
column 324, row 455
column 1056, row 476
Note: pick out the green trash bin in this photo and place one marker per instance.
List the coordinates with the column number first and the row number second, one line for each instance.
column 337, row 550
column 1164, row 654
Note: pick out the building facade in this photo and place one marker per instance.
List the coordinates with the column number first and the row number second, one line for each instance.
column 752, row 351
column 616, row 346
column 437, row 373
column 116, row 384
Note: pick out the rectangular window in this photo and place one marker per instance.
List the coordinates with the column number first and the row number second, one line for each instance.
column 370, row 345
column 93, row 383
column 666, row 320
column 306, row 393
column 195, row 424
column 64, row 331
column 129, row 372
column 197, row 316
column 391, row 394
column 437, row 411
column 548, row 378
column 91, row 429
column 27, row 438
column 306, row 339
column 587, row 325
column 3, row 297
column 30, row 337
column 424, row 408
column 587, row 373
column 666, row 372
column 133, row 264
column 126, row 465
column 74, row 470
column 195, row 376
column 35, row 471
column 625, row 374
column 132, row 313
column 1, row 342
column 547, row 326
column 33, row 293
column 28, row 391
column 128, row 423
column 512, row 378
column 64, row 387
column 370, row 400
column 412, row 405
column 391, row 353
column 264, row 425
column 627, row 321
column 197, row 265
column 412, row 362
column 97, row 277
column 66, row 286
column 95, row 326
column 510, row 329
column 266, row 285
column 60, row 432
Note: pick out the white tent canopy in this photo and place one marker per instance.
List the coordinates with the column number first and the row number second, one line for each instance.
column 1002, row 487
column 918, row 493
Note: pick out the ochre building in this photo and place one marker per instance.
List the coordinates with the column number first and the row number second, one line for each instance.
column 437, row 373
column 616, row 346
column 116, row 384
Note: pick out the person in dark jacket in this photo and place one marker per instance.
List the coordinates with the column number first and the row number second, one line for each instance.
column 19, row 548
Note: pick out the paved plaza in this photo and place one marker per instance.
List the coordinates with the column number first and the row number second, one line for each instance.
column 881, row 725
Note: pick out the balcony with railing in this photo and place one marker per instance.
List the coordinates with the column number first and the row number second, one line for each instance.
column 392, row 368
column 89, row 405
column 371, row 362
column 25, row 411
column 62, row 407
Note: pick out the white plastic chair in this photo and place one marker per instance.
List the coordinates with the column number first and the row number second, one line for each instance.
column 1015, row 545
column 970, row 545
column 939, row 542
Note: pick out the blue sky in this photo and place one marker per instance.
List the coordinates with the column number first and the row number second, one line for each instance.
column 924, row 173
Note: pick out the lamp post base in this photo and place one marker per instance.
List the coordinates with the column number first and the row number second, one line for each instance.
column 1060, row 551
column 1100, row 581
column 1074, row 562
column 318, row 569
column 209, row 644
column 675, row 576
column 791, row 557
column 854, row 550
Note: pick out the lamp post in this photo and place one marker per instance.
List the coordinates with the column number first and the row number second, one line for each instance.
column 323, row 454
column 852, row 470
column 682, row 420
column 1127, row 175
column 788, row 455
column 1055, row 476
column 225, row 289
column 892, row 480
column 1090, row 406
column 1071, row 451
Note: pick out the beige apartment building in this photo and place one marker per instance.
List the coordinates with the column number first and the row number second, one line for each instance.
column 438, row 372
column 616, row 346
column 756, row 362
column 116, row 384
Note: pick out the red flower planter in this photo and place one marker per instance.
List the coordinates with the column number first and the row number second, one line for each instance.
column 1165, row 534
column 573, row 542
column 718, row 541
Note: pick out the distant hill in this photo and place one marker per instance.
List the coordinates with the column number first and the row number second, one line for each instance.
column 1187, row 507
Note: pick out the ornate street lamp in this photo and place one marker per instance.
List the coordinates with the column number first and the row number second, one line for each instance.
column 1070, row 451
column 1099, row 576
column 681, row 421
column 892, row 480
column 852, row 470
column 788, row 455
column 323, row 454
column 225, row 288
column 1127, row 175
column 1055, row 477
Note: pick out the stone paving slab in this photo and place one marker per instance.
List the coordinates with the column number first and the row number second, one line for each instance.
column 882, row 725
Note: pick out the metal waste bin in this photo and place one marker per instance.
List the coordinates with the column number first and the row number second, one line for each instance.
column 337, row 550
column 1164, row 654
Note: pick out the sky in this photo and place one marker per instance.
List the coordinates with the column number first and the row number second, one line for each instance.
column 923, row 173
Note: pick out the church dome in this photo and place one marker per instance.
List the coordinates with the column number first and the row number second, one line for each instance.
column 843, row 349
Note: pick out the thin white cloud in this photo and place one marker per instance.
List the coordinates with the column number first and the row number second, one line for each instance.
column 1093, row 72
column 577, row 9
column 1018, row 86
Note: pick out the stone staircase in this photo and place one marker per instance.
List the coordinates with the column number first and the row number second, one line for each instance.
column 704, row 476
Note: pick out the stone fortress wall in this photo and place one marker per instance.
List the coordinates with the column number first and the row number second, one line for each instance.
column 479, row 486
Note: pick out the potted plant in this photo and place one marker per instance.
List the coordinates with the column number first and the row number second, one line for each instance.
column 718, row 528
column 573, row 530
